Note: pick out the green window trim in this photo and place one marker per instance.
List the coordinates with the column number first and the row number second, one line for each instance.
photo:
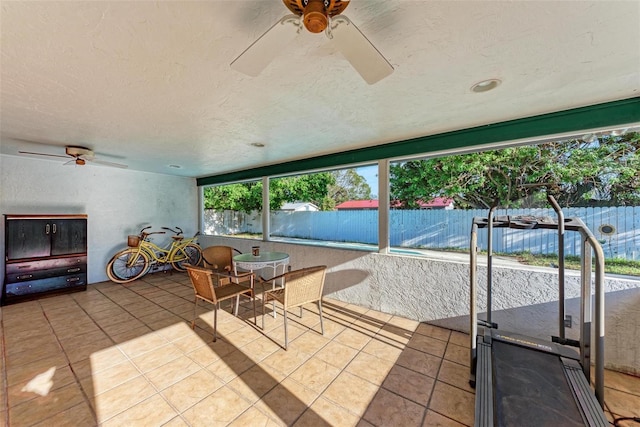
column 610, row 114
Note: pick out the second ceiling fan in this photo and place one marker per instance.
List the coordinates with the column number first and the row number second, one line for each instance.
column 316, row 16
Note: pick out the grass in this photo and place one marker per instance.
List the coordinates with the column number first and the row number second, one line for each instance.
column 572, row 262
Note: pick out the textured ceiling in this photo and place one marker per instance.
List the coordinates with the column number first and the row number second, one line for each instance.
column 148, row 84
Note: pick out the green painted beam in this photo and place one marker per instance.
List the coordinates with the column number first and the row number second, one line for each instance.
column 609, row 114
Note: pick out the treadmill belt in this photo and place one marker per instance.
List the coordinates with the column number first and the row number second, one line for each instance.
column 531, row 388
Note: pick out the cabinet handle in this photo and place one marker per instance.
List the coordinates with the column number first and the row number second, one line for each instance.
column 73, row 270
column 73, row 279
column 47, row 228
column 25, row 276
column 54, row 228
column 24, row 266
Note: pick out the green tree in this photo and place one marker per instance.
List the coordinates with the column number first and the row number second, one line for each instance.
column 247, row 197
column 349, row 185
column 578, row 173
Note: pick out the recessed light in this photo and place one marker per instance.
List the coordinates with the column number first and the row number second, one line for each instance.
column 485, row 85
column 257, row 144
column 175, row 166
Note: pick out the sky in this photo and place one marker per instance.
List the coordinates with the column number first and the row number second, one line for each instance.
column 370, row 174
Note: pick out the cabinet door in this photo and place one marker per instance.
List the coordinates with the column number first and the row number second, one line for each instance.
column 68, row 236
column 28, row 238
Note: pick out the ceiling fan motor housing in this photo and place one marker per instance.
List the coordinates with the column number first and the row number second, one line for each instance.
column 315, row 16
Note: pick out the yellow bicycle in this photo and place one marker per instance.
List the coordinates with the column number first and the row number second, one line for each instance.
column 135, row 261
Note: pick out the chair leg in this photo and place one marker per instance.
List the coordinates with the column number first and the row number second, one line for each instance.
column 195, row 313
column 237, row 305
column 286, row 335
column 215, row 322
column 320, row 310
column 255, row 320
column 264, row 298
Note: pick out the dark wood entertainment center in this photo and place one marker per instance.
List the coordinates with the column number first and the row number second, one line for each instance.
column 44, row 255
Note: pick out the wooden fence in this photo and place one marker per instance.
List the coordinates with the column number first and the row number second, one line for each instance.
column 441, row 229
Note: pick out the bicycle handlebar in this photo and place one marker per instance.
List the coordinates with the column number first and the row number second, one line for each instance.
column 179, row 232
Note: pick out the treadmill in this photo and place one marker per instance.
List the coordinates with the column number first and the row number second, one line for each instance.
column 526, row 381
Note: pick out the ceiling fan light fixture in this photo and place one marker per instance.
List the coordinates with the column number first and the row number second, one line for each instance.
column 315, row 16
column 485, row 85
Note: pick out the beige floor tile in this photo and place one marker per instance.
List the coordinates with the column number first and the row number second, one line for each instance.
column 131, row 334
column 370, row 368
column 394, row 335
column 22, row 374
column 418, row 361
column 191, row 390
column 40, row 384
column 325, row 413
column 157, row 357
column 209, row 353
column 194, row 340
column 408, row 325
column 256, row 382
column 254, row 418
column 76, row 416
column 622, row 382
column 98, row 361
column 218, row 409
column 109, row 378
column 286, row 402
column 621, row 403
column 351, row 392
column 460, row 339
column 457, row 354
column 231, row 365
column 428, row 344
column 48, row 351
column 286, row 361
column 337, row 354
column 69, row 344
column 176, row 422
column 121, row 327
column 85, row 350
column 455, row 375
column 315, row 374
column 433, row 419
column 260, row 349
column 453, row 403
column 172, row 372
column 409, row 384
column 383, row 350
column 389, row 409
column 310, row 342
column 353, row 339
column 44, row 407
column 142, row 344
column 433, row 331
column 121, row 398
column 154, row 411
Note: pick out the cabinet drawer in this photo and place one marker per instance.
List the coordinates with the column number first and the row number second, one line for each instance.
column 23, row 276
column 45, row 285
column 45, row 264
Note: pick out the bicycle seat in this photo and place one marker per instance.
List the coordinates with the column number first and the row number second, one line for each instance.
column 177, row 237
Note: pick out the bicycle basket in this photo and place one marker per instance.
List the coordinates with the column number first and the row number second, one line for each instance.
column 133, row 241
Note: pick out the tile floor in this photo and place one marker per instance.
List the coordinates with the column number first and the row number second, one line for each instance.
column 126, row 356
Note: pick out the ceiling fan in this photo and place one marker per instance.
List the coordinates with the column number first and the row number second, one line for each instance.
column 79, row 156
column 316, row 16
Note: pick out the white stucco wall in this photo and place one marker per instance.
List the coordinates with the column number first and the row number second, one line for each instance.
column 437, row 291
column 118, row 202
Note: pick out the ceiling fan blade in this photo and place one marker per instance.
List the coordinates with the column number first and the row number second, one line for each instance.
column 43, row 154
column 102, row 162
column 261, row 52
column 358, row 50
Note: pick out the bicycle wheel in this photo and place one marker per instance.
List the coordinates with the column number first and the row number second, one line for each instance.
column 128, row 265
column 190, row 254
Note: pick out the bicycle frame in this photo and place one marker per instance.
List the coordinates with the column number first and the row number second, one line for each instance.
column 164, row 255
